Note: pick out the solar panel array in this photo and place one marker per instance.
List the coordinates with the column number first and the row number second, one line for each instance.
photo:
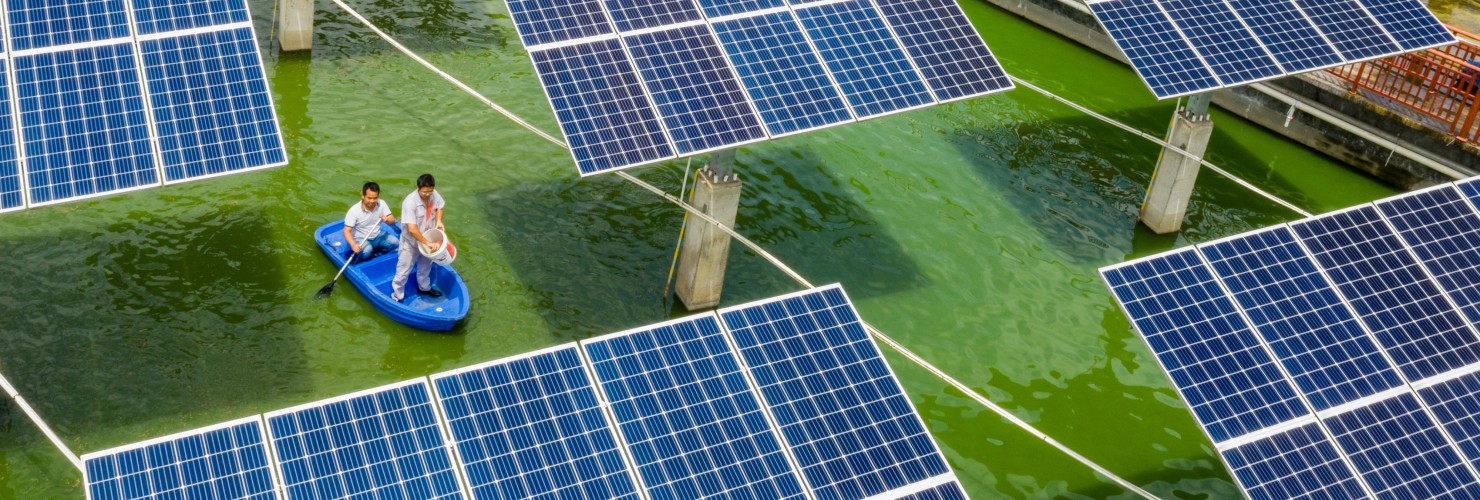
column 782, row 398
column 1182, row 47
column 97, row 98
column 1334, row 356
column 637, row 82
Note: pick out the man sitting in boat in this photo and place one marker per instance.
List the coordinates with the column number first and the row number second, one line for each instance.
column 420, row 212
column 362, row 224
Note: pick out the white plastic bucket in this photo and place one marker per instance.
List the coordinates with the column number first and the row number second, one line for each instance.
column 444, row 254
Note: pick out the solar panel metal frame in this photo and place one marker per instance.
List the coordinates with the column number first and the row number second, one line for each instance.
column 270, row 459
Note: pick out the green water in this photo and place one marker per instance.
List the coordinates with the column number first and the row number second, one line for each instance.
column 971, row 232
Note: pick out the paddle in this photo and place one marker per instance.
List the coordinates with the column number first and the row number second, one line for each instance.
column 329, row 288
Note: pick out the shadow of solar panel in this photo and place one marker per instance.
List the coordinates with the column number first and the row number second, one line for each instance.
column 1297, row 463
column 548, row 21
column 1355, row 34
column 1397, row 448
column 868, row 64
column 602, row 109
column 228, row 460
column 1287, row 33
column 384, row 442
column 11, row 197
column 36, row 24
column 687, row 415
column 694, row 89
column 1410, row 23
column 1444, row 232
column 531, row 427
column 946, row 48
column 1164, row 60
column 785, row 80
column 1222, row 39
column 840, row 408
column 158, row 16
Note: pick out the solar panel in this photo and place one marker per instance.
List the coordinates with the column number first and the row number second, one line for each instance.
column 1294, row 309
column 1400, row 452
column 785, row 80
column 383, row 442
column 694, row 89
column 1227, row 46
column 945, row 47
column 601, row 106
column 227, row 460
column 1410, row 23
column 549, row 21
column 1287, row 34
column 1444, row 233
column 159, row 16
column 1456, row 405
column 530, row 426
column 1355, row 34
column 12, row 196
column 36, row 24
column 687, row 415
column 864, row 57
column 723, row 8
column 633, row 15
column 1162, row 57
column 1297, row 463
column 840, row 409
column 1383, row 283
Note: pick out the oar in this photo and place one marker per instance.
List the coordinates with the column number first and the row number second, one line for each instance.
column 329, row 288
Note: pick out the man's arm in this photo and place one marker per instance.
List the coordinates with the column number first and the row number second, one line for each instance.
column 416, row 233
column 349, row 236
column 439, row 220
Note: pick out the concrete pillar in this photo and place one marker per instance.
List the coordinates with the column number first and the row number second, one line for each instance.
column 295, row 25
column 1171, row 184
column 705, row 250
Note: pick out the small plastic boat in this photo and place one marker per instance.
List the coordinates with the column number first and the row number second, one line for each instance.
column 373, row 279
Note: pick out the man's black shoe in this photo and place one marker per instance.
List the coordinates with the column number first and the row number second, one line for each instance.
column 431, row 292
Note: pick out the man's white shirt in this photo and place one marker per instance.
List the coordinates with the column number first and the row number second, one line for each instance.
column 366, row 224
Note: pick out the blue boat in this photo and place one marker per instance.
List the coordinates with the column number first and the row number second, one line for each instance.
column 373, row 279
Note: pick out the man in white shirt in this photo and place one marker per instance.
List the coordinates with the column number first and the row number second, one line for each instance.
column 421, row 211
column 362, row 224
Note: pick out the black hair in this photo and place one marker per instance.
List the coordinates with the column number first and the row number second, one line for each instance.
column 425, row 181
column 370, row 186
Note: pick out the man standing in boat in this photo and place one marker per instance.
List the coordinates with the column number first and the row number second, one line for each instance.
column 362, row 224
column 420, row 212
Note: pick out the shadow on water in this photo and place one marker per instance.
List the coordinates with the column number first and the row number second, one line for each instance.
column 428, row 26
column 183, row 327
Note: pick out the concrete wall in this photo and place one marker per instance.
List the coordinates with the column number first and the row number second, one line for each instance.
column 1447, row 160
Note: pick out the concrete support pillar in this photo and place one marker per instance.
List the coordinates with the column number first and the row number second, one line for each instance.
column 295, row 24
column 1171, row 184
column 706, row 249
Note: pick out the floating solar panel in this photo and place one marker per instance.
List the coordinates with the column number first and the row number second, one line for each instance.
column 840, row 408
column 531, row 427
column 385, row 442
column 1182, row 47
column 723, row 73
column 228, row 460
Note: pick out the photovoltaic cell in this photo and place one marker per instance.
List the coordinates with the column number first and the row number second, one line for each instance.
column 158, row 16
column 718, row 8
column 841, row 411
column 531, row 427
column 869, row 65
column 1163, row 58
column 1225, row 44
column 10, row 167
column 384, row 442
column 1397, row 448
column 211, row 106
column 548, row 21
column 687, row 415
column 694, row 89
column 1312, row 333
column 1355, row 34
column 1287, row 33
column 1456, row 405
column 1383, row 282
column 1216, row 362
column 631, row 15
column 1298, row 463
column 222, row 461
column 82, row 117
column 1444, row 232
column 945, row 47
column 778, row 68
column 1410, row 23
column 600, row 104
column 37, row 24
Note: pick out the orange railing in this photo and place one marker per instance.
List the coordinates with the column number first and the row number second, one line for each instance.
column 1436, row 87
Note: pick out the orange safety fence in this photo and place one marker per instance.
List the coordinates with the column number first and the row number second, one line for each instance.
column 1436, row 87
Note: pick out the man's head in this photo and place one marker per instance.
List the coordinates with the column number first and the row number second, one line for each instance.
column 370, row 195
column 425, row 185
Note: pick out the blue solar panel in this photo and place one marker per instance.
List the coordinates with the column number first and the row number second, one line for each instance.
column 947, row 491
column 841, row 411
column 1216, row 362
column 694, row 89
column 37, row 24
column 82, row 117
column 687, row 414
column 869, row 65
column 1297, row 463
column 1397, row 448
column 531, row 427
column 719, row 8
column 1160, row 55
column 158, row 16
column 945, row 47
column 1312, row 333
column 222, row 461
column 1444, row 233
column 1456, row 405
column 1412, row 321
column 777, row 66
column 603, row 111
column 631, row 15
column 211, row 106
column 384, row 442
column 1410, row 23
column 1221, row 37
column 548, row 21
column 1355, row 34
column 1287, row 33
column 11, row 196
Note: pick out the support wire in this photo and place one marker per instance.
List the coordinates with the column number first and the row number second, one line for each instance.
column 36, row 419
